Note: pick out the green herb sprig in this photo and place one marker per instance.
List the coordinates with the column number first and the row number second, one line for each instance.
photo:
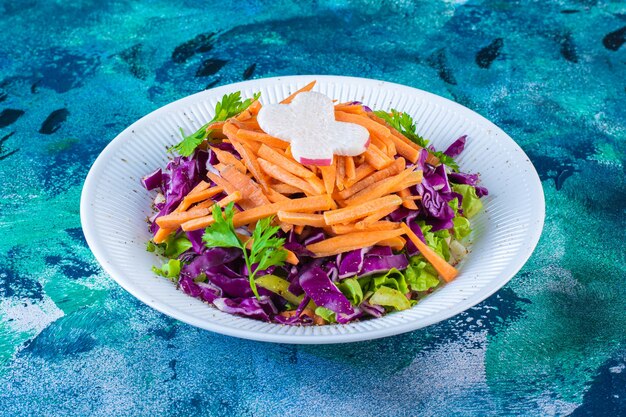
column 404, row 124
column 266, row 250
column 230, row 105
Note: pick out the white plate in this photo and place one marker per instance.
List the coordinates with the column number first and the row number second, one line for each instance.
column 114, row 207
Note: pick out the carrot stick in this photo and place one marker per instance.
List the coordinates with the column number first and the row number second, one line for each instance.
column 174, row 220
column 371, row 126
column 244, row 115
column 395, row 168
column 350, row 108
column 447, row 271
column 405, row 150
column 341, row 172
column 328, row 174
column 248, row 188
column 247, row 155
column 305, row 204
column 248, row 241
column 375, row 216
column 215, row 126
column 255, row 107
column 399, row 137
column 380, row 188
column 405, row 194
column 280, row 174
column 285, row 188
column 351, row 241
column 374, row 140
column 195, row 197
column 350, row 169
column 301, row 219
column 376, row 158
column 228, row 158
column 274, row 196
column 282, row 161
column 307, row 87
column 161, row 235
column 262, row 138
column 341, row 229
column 350, row 213
column 396, row 243
column 361, row 172
column 222, row 183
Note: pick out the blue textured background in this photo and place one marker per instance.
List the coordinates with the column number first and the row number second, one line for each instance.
column 550, row 73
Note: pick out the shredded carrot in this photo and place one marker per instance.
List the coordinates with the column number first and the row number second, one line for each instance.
column 247, row 155
column 174, row 220
column 255, row 107
column 328, row 174
column 376, row 216
column 407, row 202
column 395, row 168
column 371, row 126
column 285, row 188
column 341, row 229
column 307, row 87
column 340, row 172
column 251, row 124
column 244, row 115
column 292, row 258
column 350, row 169
column 376, row 158
column 305, row 204
column 195, row 197
column 362, row 171
column 411, row 156
column 351, row 241
column 285, row 176
column 248, row 188
column 353, row 212
column 249, row 135
column 228, row 158
column 216, row 126
column 162, row 234
column 298, row 229
column 350, row 108
column 447, row 271
column 302, row 219
column 274, row 196
column 380, row 188
column 396, row 243
column 282, row 161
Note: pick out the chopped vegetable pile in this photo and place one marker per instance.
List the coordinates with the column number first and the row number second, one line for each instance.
column 318, row 238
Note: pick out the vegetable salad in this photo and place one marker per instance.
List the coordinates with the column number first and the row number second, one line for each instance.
column 247, row 227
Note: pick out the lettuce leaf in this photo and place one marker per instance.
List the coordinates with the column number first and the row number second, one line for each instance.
column 326, row 314
column 420, row 275
column 352, row 290
column 471, row 203
column 390, row 297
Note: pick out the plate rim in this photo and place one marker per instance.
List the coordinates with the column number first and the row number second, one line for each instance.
column 89, row 190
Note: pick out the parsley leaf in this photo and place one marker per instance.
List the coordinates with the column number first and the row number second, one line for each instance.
column 447, row 160
column 267, row 249
column 404, row 124
column 222, row 232
column 231, row 105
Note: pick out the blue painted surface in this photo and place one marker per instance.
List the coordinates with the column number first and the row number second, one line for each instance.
column 74, row 74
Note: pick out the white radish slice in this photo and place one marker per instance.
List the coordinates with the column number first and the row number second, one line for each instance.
column 309, row 124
